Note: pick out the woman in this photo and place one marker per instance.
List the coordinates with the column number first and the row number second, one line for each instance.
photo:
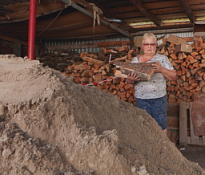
column 151, row 95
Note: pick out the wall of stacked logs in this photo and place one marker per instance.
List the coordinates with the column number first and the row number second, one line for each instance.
column 95, row 68
column 190, row 69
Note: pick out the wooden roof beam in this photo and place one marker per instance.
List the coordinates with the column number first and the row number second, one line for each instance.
column 188, row 11
column 138, row 4
column 162, row 27
column 167, row 31
column 41, row 9
column 71, row 27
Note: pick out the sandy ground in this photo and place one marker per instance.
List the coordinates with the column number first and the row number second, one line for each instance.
column 50, row 125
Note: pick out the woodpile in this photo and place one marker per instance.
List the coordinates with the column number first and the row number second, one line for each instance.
column 95, row 69
column 98, row 67
column 190, row 70
column 59, row 60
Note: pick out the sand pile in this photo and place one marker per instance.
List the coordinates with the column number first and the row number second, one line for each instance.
column 50, row 125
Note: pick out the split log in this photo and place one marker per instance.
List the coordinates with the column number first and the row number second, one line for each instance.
column 143, row 70
column 118, row 59
column 93, row 60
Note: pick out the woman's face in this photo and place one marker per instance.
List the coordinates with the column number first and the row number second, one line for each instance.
column 149, row 46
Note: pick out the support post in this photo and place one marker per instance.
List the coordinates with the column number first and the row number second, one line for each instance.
column 131, row 42
column 32, row 29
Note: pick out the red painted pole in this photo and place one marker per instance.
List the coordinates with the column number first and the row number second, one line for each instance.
column 32, row 29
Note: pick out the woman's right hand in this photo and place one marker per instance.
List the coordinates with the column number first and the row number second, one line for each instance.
column 131, row 78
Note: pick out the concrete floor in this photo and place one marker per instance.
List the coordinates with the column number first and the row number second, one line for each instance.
column 195, row 154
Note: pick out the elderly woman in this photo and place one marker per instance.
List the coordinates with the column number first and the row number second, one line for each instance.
column 151, row 95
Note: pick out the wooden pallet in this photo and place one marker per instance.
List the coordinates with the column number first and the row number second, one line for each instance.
column 173, row 123
column 184, row 119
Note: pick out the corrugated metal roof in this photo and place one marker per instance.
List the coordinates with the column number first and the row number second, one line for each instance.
column 53, row 42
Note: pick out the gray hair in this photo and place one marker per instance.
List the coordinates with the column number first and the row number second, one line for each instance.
column 149, row 35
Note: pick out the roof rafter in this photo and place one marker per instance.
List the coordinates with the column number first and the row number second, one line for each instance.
column 177, row 30
column 145, row 11
column 163, row 27
column 71, row 27
column 188, row 11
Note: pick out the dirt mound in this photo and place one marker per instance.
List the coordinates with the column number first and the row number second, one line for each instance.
column 50, row 125
column 24, row 155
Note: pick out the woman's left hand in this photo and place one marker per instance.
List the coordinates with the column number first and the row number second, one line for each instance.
column 157, row 67
column 169, row 74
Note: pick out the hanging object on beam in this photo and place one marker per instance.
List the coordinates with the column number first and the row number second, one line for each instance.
column 96, row 15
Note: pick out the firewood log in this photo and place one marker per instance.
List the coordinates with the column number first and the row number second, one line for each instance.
column 143, row 70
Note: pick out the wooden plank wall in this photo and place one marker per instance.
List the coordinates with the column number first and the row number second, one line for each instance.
column 8, row 48
column 187, row 135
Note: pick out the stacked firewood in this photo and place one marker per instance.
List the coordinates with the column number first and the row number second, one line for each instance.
column 190, row 70
column 120, row 88
column 97, row 68
column 59, row 60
